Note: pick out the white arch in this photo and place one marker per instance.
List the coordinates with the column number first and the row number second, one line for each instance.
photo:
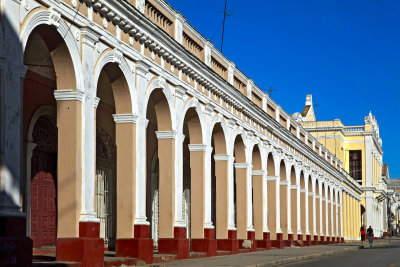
column 251, row 148
column 51, row 17
column 44, row 110
column 160, row 83
column 219, row 119
column 194, row 103
column 117, row 57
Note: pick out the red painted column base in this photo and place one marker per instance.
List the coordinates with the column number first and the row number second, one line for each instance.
column 307, row 242
column 251, row 236
column 231, row 244
column 289, row 242
column 315, row 242
column 141, row 246
column 178, row 245
column 265, row 243
column 207, row 244
column 278, row 243
column 15, row 247
column 342, row 240
column 87, row 249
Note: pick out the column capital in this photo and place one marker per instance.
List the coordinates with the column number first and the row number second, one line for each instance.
column 272, row 178
column 142, row 68
column 258, row 172
column 221, row 157
column 284, row 182
column 89, row 36
column 180, row 91
column 69, row 95
column 197, row 147
column 166, row 135
column 125, row 118
column 241, row 165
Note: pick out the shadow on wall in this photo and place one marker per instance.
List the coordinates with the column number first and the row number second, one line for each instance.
column 15, row 247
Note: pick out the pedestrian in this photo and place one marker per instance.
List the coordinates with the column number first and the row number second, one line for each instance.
column 370, row 233
column 362, row 231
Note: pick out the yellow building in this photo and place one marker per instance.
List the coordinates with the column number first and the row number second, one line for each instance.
column 359, row 148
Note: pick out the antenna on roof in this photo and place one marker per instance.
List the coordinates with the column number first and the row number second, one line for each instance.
column 270, row 90
column 223, row 25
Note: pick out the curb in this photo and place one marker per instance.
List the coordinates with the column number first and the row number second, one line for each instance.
column 308, row 257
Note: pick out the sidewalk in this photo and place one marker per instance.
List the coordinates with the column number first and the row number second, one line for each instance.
column 276, row 257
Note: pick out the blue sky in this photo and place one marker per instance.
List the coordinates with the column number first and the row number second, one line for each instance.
column 345, row 53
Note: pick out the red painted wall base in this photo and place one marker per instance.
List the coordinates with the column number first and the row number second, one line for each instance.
column 265, row 243
column 87, row 249
column 231, row 244
column 178, row 245
column 15, row 247
column 141, row 246
column 278, row 243
column 315, row 242
column 251, row 235
column 207, row 244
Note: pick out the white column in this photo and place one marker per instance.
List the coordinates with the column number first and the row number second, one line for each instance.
column 208, row 223
column 179, row 221
column 265, row 202
column 231, row 204
column 141, row 125
column 249, row 177
column 180, row 92
column 89, row 38
column 341, row 213
column 298, row 193
column 307, row 223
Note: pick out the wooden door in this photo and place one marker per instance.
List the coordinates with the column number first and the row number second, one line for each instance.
column 43, row 185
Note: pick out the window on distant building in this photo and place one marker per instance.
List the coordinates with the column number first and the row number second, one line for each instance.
column 355, row 164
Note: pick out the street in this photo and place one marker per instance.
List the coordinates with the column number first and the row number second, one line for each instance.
column 387, row 255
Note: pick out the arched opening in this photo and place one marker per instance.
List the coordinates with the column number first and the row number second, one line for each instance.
column 193, row 175
column 44, row 183
column 363, row 215
column 113, row 92
column 283, row 193
column 160, row 172
column 329, row 212
column 258, row 190
column 240, row 188
column 317, row 208
column 271, row 187
column 49, row 68
column 293, row 203
column 310, row 207
column 219, row 183
column 324, row 213
column 303, row 195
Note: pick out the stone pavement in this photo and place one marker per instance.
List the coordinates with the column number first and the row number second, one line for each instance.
column 276, row 257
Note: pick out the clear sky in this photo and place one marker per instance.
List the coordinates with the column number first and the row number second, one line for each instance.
column 346, row 53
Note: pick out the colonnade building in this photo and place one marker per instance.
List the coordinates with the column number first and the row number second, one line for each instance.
column 360, row 149
column 123, row 128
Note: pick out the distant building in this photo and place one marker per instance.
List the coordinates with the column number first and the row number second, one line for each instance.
column 394, row 203
column 359, row 148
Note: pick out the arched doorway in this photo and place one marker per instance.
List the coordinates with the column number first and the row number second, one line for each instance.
column 153, row 197
column 50, row 68
column 44, row 184
column 105, row 186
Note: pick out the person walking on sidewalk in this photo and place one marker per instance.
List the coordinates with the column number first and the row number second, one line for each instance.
column 362, row 231
column 370, row 233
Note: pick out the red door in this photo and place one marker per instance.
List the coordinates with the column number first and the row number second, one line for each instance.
column 43, row 185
